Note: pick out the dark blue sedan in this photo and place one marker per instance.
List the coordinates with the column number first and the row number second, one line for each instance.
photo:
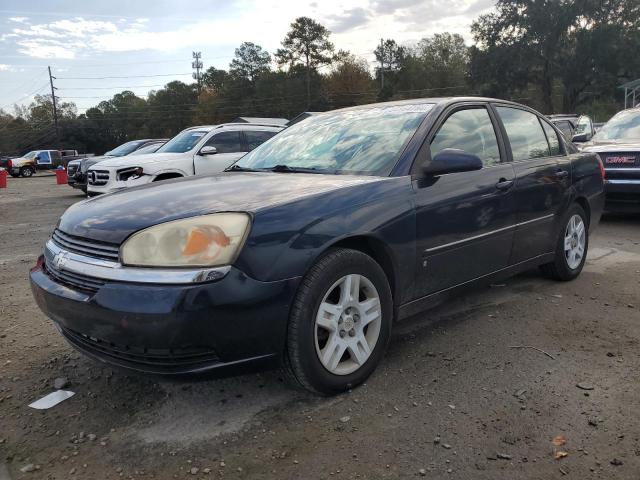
column 309, row 248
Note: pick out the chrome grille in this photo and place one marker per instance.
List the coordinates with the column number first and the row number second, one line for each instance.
column 75, row 280
column 86, row 246
column 98, row 177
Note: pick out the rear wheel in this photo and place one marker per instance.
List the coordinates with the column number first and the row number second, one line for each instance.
column 571, row 247
column 340, row 322
column 26, row 171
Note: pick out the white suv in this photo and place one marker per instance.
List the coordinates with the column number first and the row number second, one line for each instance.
column 194, row 151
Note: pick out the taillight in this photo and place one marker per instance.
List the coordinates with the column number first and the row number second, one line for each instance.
column 9, row 164
column 603, row 173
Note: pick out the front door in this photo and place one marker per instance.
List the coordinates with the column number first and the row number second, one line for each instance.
column 542, row 173
column 465, row 220
column 230, row 147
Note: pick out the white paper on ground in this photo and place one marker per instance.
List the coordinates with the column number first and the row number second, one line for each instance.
column 52, row 399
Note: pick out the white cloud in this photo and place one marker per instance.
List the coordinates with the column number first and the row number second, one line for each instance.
column 18, row 19
column 356, row 24
column 5, row 68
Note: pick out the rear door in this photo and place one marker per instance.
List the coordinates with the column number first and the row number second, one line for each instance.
column 230, row 146
column 465, row 220
column 542, row 177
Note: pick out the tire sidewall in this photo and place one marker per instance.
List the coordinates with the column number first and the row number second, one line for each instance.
column 319, row 377
column 26, row 172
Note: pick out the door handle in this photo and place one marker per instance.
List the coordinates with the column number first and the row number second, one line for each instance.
column 504, row 184
column 560, row 174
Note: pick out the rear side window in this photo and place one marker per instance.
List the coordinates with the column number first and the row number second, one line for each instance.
column 525, row 133
column 552, row 136
column 471, row 131
column 257, row 138
column 226, row 142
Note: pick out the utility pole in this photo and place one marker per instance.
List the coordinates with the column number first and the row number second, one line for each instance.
column 197, row 66
column 55, row 108
column 381, row 64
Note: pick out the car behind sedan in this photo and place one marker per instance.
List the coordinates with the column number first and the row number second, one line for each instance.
column 308, row 249
column 618, row 145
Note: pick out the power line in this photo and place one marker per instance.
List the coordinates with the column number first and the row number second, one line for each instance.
column 126, row 76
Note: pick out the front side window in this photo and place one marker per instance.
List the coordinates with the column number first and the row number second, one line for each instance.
column 183, row 142
column 364, row 141
column 525, row 133
column 226, row 142
column 552, row 136
column 257, row 138
column 471, row 131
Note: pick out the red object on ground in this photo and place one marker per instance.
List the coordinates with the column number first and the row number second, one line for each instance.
column 61, row 177
column 3, row 179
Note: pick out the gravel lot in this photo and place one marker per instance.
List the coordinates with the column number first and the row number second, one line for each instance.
column 452, row 399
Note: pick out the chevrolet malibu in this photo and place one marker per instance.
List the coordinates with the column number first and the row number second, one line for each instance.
column 307, row 250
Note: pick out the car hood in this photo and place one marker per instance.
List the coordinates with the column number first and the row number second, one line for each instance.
column 113, row 217
column 140, row 160
column 85, row 163
column 611, row 146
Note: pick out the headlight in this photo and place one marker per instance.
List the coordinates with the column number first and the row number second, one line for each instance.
column 208, row 240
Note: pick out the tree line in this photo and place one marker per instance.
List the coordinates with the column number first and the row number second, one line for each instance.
column 561, row 56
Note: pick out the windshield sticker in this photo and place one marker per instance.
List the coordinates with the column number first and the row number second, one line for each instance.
column 198, row 134
column 414, row 108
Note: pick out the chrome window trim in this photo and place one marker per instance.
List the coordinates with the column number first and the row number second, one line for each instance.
column 486, row 234
column 58, row 258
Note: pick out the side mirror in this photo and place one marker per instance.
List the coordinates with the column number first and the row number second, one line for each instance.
column 581, row 138
column 208, row 150
column 452, row 160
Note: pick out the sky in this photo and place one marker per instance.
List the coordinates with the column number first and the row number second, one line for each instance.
column 146, row 43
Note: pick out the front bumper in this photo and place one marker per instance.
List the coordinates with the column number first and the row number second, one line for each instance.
column 169, row 329
column 115, row 185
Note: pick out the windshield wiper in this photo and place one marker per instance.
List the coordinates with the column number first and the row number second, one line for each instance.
column 238, row 168
column 288, row 169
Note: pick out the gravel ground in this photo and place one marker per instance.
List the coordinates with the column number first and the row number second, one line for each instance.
column 453, row 398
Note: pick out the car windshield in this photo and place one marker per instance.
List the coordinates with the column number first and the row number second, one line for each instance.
column 124, row 149
column 148, row 149
column 31, row 155
column 624, row 126
column 183, row 142
column 361, row 141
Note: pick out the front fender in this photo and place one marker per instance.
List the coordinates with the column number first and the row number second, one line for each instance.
column 286, row 240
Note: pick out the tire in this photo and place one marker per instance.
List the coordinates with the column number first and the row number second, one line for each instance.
column 359, row 329
column 15, row 175
column 564, row 268
column 26, row 172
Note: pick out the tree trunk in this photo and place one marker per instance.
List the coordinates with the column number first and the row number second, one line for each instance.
column 546, row 85
column 308, row 83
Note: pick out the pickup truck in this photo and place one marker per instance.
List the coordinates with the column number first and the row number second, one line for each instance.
column 27, row 165
column 194, row 151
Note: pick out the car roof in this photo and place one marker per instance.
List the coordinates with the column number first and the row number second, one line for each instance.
column 443, row 101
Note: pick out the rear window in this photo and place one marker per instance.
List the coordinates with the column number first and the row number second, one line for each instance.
column 525, row 133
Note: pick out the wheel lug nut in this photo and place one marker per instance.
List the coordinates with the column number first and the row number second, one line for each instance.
column 340, row 320
column 356, row 318
column 352, row 333
column 342, row 333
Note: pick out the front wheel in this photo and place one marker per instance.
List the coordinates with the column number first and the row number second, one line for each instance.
column 571, row 247
column 340, row 322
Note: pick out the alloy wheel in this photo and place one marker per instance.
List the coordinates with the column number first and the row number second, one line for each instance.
column 347, row 324
column 574, row 241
